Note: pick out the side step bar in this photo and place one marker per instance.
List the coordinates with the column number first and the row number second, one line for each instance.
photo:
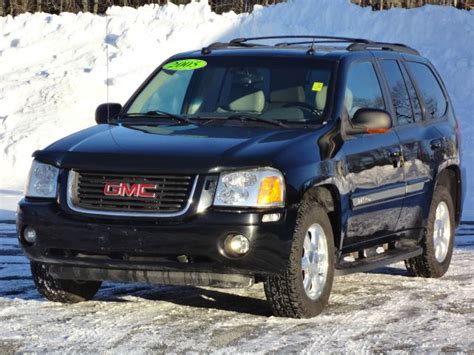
column 374, row 262
column 179, row 278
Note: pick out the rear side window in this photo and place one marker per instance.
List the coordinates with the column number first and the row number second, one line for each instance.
column 398, row 92
column 415, row 102
column 362, row 89
column 431, row 92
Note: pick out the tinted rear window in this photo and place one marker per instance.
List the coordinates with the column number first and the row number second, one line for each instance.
column 431, row 92
column 415, row 102
column 398, row 91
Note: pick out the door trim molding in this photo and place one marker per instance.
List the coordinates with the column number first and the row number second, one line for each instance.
column 416, row 187
column 395, row 192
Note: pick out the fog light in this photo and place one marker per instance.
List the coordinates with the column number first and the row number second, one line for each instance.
column 237, row 245
column 271, row 217
column 29, row 235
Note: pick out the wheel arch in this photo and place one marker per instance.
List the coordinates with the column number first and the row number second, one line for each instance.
column 328, row 197
column 450, row 177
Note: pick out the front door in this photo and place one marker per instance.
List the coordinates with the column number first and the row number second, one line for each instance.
column 373, row 165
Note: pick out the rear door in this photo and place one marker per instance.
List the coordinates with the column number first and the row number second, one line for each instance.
column 418, row 109
column 374, row 175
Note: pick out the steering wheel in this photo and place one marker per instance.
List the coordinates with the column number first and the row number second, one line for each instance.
column 304, row 106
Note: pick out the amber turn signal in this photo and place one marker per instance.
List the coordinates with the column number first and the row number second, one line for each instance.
column 271, row 191
column 377, row 130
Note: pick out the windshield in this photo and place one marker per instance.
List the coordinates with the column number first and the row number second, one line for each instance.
column 281, row 89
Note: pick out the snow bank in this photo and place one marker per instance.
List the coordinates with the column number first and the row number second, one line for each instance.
column 53, row 68
column 8, row 202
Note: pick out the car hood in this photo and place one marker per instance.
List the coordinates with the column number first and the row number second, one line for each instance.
column 175, row 148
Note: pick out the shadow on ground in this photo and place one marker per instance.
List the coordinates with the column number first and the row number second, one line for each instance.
column 196, row 297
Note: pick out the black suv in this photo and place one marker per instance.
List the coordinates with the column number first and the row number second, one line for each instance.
column 253, row 161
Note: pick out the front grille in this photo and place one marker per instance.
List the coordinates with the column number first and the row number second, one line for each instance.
column 170, row 193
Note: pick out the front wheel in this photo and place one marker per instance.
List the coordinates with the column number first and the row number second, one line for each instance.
column 438, row 240
column 64, row 291
column 302, row 291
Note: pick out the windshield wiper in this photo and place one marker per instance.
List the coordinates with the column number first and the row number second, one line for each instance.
column 160, row 114
column 243, row 118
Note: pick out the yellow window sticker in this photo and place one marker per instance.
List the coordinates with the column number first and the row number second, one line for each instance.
column 185, row 64
column 317, row 86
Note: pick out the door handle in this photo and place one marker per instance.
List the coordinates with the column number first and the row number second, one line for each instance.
column 436, row 144
column 395, row 154
column 397, row 158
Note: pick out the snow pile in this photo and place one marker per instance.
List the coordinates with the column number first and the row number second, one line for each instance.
column 53, row 68
column 8, row 202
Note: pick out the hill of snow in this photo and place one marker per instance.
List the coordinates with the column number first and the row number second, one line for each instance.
column 53, row 68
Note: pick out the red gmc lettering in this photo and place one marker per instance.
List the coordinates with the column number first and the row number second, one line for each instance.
column 143, row 193
column 130, row 190
column 126, row 190
column 112, row 189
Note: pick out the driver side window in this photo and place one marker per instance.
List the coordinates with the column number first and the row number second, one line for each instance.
column 362, row 89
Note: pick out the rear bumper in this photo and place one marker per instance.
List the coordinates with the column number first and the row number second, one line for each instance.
column 106, row 249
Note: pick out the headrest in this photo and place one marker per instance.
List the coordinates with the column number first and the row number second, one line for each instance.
column 254, row 102
column 291, row 94
column 321, row 97
column 348, row 100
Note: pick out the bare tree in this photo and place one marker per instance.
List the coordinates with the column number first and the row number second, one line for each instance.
column 15, row 7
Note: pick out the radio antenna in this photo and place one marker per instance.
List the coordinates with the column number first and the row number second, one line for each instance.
column 311, row 49
column 107, row 82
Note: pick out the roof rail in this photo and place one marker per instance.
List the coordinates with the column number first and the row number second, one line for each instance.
column 223, row 45
column 396, row 47
column 315, row 38
column 355, row 44
column 284, row 44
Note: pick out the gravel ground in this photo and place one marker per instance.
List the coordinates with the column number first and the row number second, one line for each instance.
column 381, row 311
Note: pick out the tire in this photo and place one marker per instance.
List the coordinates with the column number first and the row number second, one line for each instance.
column 64, row 291
column 286, row 293
column 435, row 262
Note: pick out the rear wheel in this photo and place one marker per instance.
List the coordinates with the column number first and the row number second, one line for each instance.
column 64, row 291
column 302, row 291
column 438, row 240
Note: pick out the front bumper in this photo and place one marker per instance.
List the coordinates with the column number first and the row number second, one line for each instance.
column 75, row 243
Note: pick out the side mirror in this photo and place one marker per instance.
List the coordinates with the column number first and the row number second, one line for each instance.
column 107, row 112
column 368, row 120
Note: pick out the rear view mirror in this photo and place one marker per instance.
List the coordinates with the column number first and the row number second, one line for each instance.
column 107, row 112
column 367, row 120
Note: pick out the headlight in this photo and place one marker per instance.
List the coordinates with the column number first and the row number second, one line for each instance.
column 42, row 181
column 264, row 187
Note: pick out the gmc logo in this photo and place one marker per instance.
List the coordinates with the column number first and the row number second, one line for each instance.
column 132, row 190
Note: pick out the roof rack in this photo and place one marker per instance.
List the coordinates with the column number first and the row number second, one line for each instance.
column 313, row 38
column 223, row 45
column 355, row 44
column 396, row 47
column 284, row 44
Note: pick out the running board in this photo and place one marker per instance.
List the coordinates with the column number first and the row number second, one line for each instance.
column 179, row 278
column 374, row 262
